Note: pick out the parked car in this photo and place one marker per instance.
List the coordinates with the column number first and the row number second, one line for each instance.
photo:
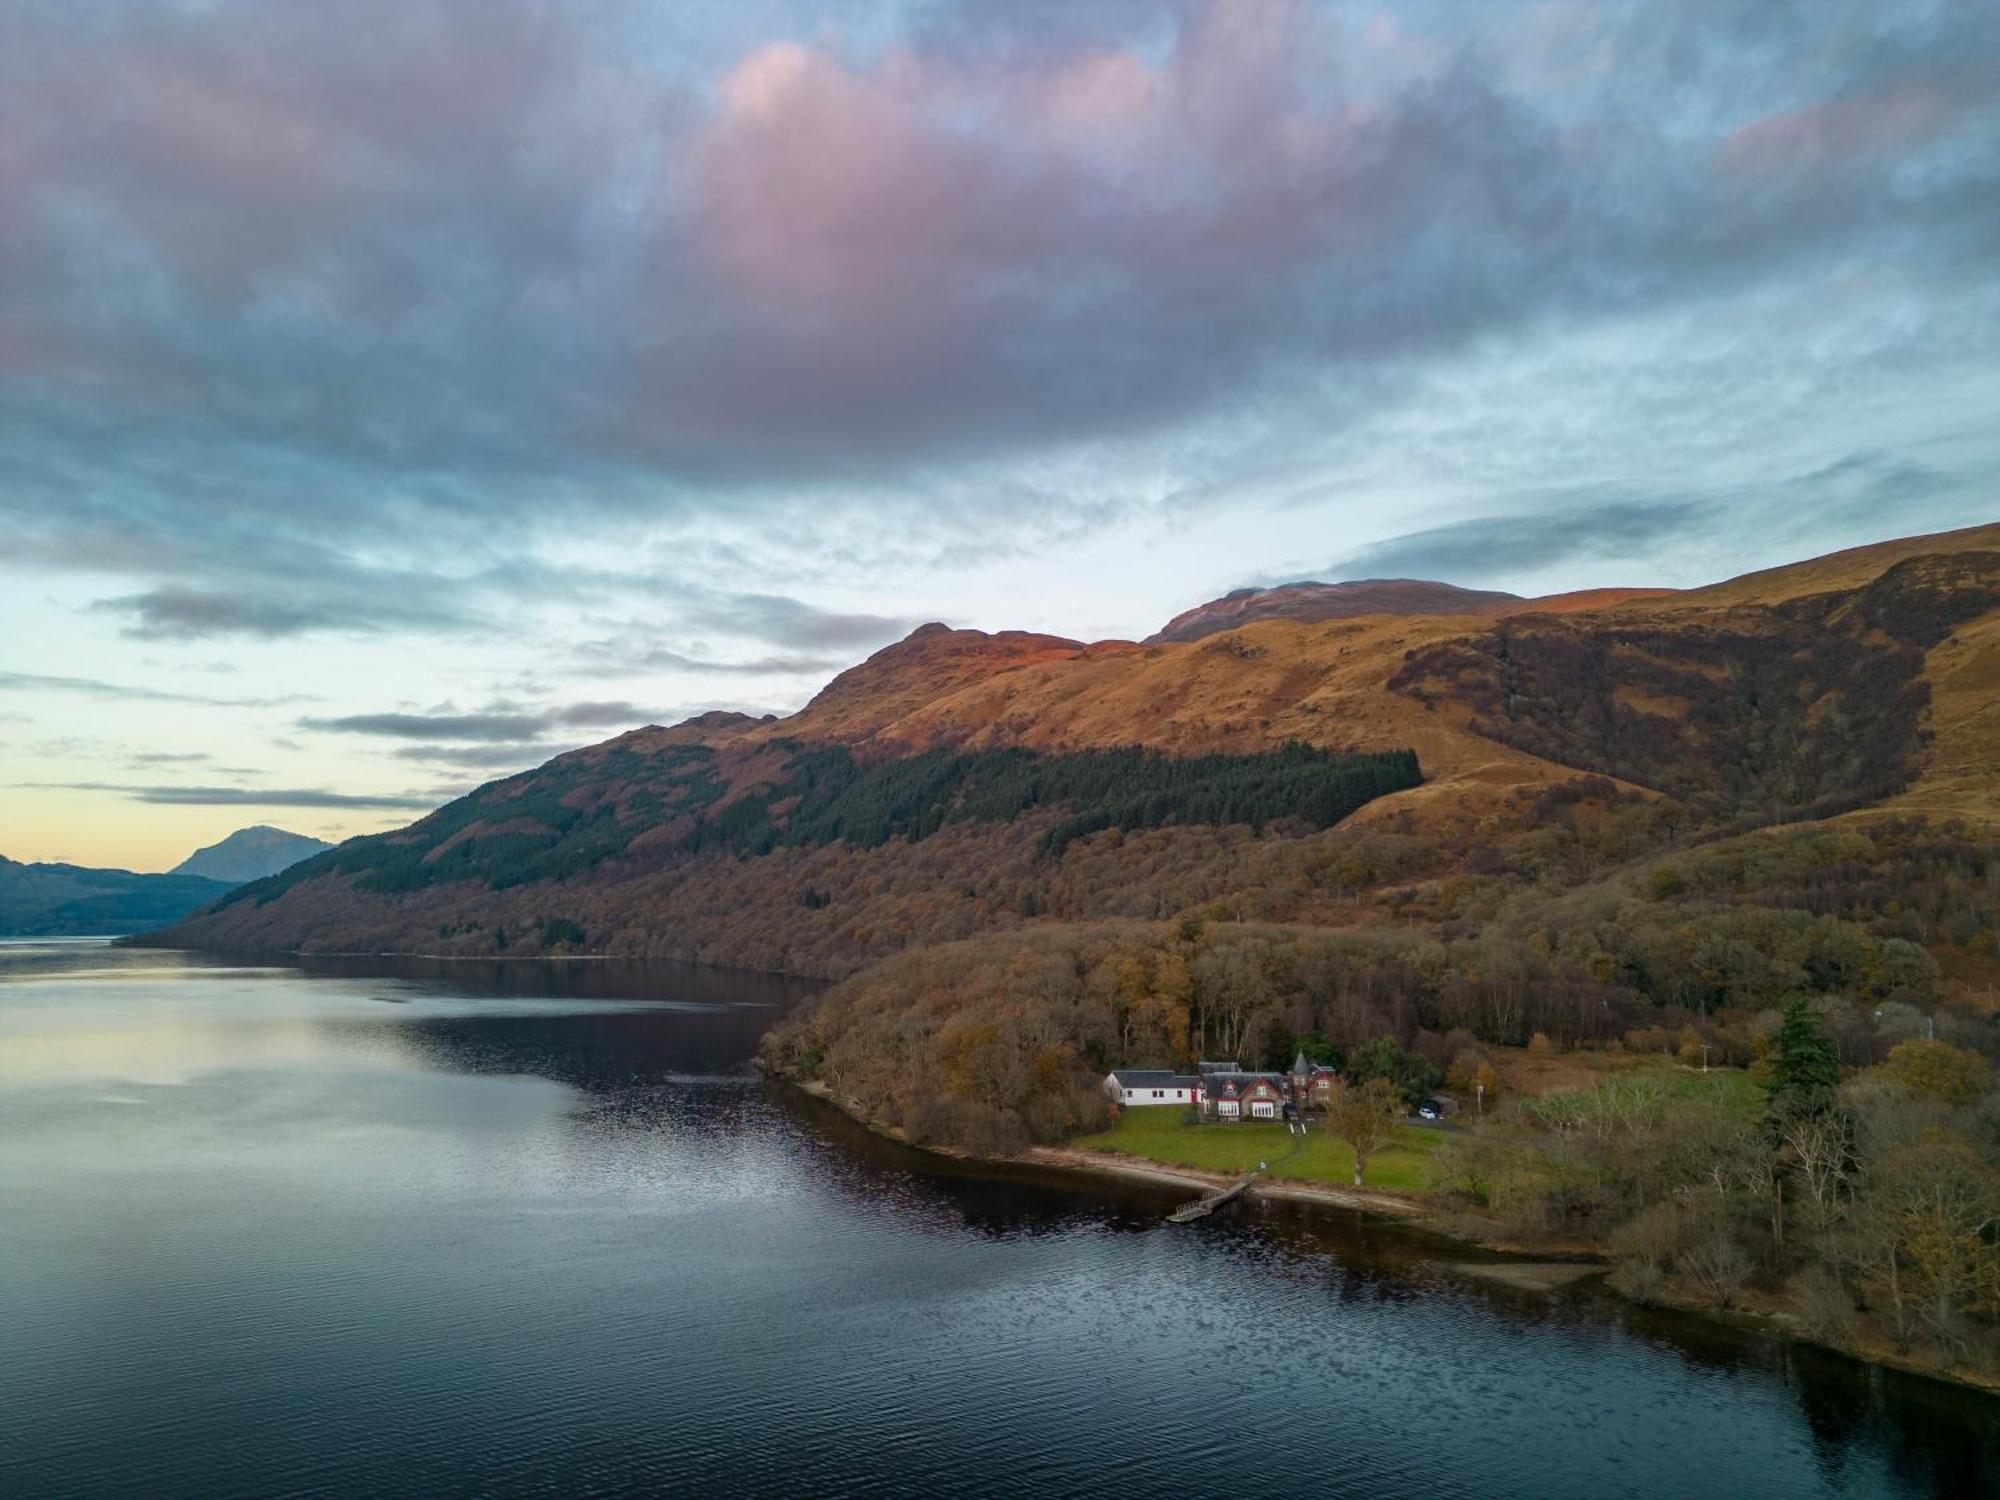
column 1430, row 1110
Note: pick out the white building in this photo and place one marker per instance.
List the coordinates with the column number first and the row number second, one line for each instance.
column 1137, row 1086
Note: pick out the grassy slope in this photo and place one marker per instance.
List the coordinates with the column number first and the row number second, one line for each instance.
column 1160, row 1135
column 1961, row 774
column 1836, row 570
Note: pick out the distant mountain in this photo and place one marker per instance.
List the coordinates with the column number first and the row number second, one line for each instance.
column 250, row 854
column 68, row 900
column 1313, row 602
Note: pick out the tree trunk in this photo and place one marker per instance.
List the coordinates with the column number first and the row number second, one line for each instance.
column 1902, row 1333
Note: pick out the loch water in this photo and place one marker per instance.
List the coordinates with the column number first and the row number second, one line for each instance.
column 538, row 1229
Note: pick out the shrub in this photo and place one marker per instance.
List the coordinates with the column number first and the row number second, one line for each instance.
column 1641, row 1280
column 1940, row 1071
column 1826, row 1307
column 967, row 1124
column 1716, row 1264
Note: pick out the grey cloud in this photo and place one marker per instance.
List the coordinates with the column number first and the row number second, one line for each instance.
column 813, row 639
column 91, row 687
column 614, row 658
column 510, row 729
column 259, row 582
column 615, row 711
column 433, row 726
column 178, row 613
column 1485, row 547
column 1864, row 483
column 502, row 756
column 446, row 312
column 283, row 282
column 163, row 758
column 786, row 621
column 233, row 796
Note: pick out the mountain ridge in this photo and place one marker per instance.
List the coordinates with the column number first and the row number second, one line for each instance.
column 1312, row 602
column 687, row 840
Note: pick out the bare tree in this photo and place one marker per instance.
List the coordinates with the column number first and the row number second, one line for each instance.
column 1712, row 1258
column 1364, row 1116
column 1818, row 1147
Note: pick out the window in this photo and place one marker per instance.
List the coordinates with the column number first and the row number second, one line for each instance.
column 1159, row 1093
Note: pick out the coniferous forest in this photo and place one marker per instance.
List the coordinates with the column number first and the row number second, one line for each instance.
column 573, row 816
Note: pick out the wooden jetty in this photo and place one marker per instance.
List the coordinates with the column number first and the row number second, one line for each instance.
column 1202, row 1207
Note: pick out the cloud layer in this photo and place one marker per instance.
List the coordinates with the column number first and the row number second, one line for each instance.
column 236, row 796
column 404, row 258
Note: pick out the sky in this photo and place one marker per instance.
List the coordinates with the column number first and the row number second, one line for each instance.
column 397, row 392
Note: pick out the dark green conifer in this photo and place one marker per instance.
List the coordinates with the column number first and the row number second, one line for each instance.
column 1804, row 1067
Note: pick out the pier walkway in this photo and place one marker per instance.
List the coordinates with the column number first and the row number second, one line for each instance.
column 1208, row 1203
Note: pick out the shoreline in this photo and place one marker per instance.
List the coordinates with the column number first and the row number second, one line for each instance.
column 131, row 941
column 1559, row 1264
column 1377, row 1201
column 1546, row 1270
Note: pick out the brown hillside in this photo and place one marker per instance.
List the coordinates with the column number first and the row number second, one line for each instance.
column 1554, row 745
column 1246, row 689
column 1837, row 570
column 1581, row 601
column 1312, row 603
column 931, row 662
column 1961, row 773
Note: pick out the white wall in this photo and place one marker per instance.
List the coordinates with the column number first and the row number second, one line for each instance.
column 1166, row 1096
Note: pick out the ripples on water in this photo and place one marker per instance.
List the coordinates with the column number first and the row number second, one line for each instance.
column 535, row 1229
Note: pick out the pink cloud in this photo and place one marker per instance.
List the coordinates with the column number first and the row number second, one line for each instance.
column 257, row 141
column 905, row 196
column 838, row 194
column 1824, row 135
column 402, row 225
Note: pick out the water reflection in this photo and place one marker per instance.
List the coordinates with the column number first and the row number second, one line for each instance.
column 537, row 1229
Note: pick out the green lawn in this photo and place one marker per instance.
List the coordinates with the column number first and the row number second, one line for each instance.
column 1730, row 1086
column 1158, row 1134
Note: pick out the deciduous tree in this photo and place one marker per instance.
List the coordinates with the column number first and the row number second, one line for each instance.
column 1364, row 1115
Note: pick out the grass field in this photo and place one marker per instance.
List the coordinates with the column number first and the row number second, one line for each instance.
column 1159, row 1135
column 1731, row 1086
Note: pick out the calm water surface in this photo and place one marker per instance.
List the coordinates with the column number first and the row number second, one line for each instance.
column 519, row 1229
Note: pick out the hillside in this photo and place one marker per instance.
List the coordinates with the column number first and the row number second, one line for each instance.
column 250, row 854
column 957, row 783
column 1316, row 603
column 1835, row 571
column 1311, row 603
column 53, row 900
